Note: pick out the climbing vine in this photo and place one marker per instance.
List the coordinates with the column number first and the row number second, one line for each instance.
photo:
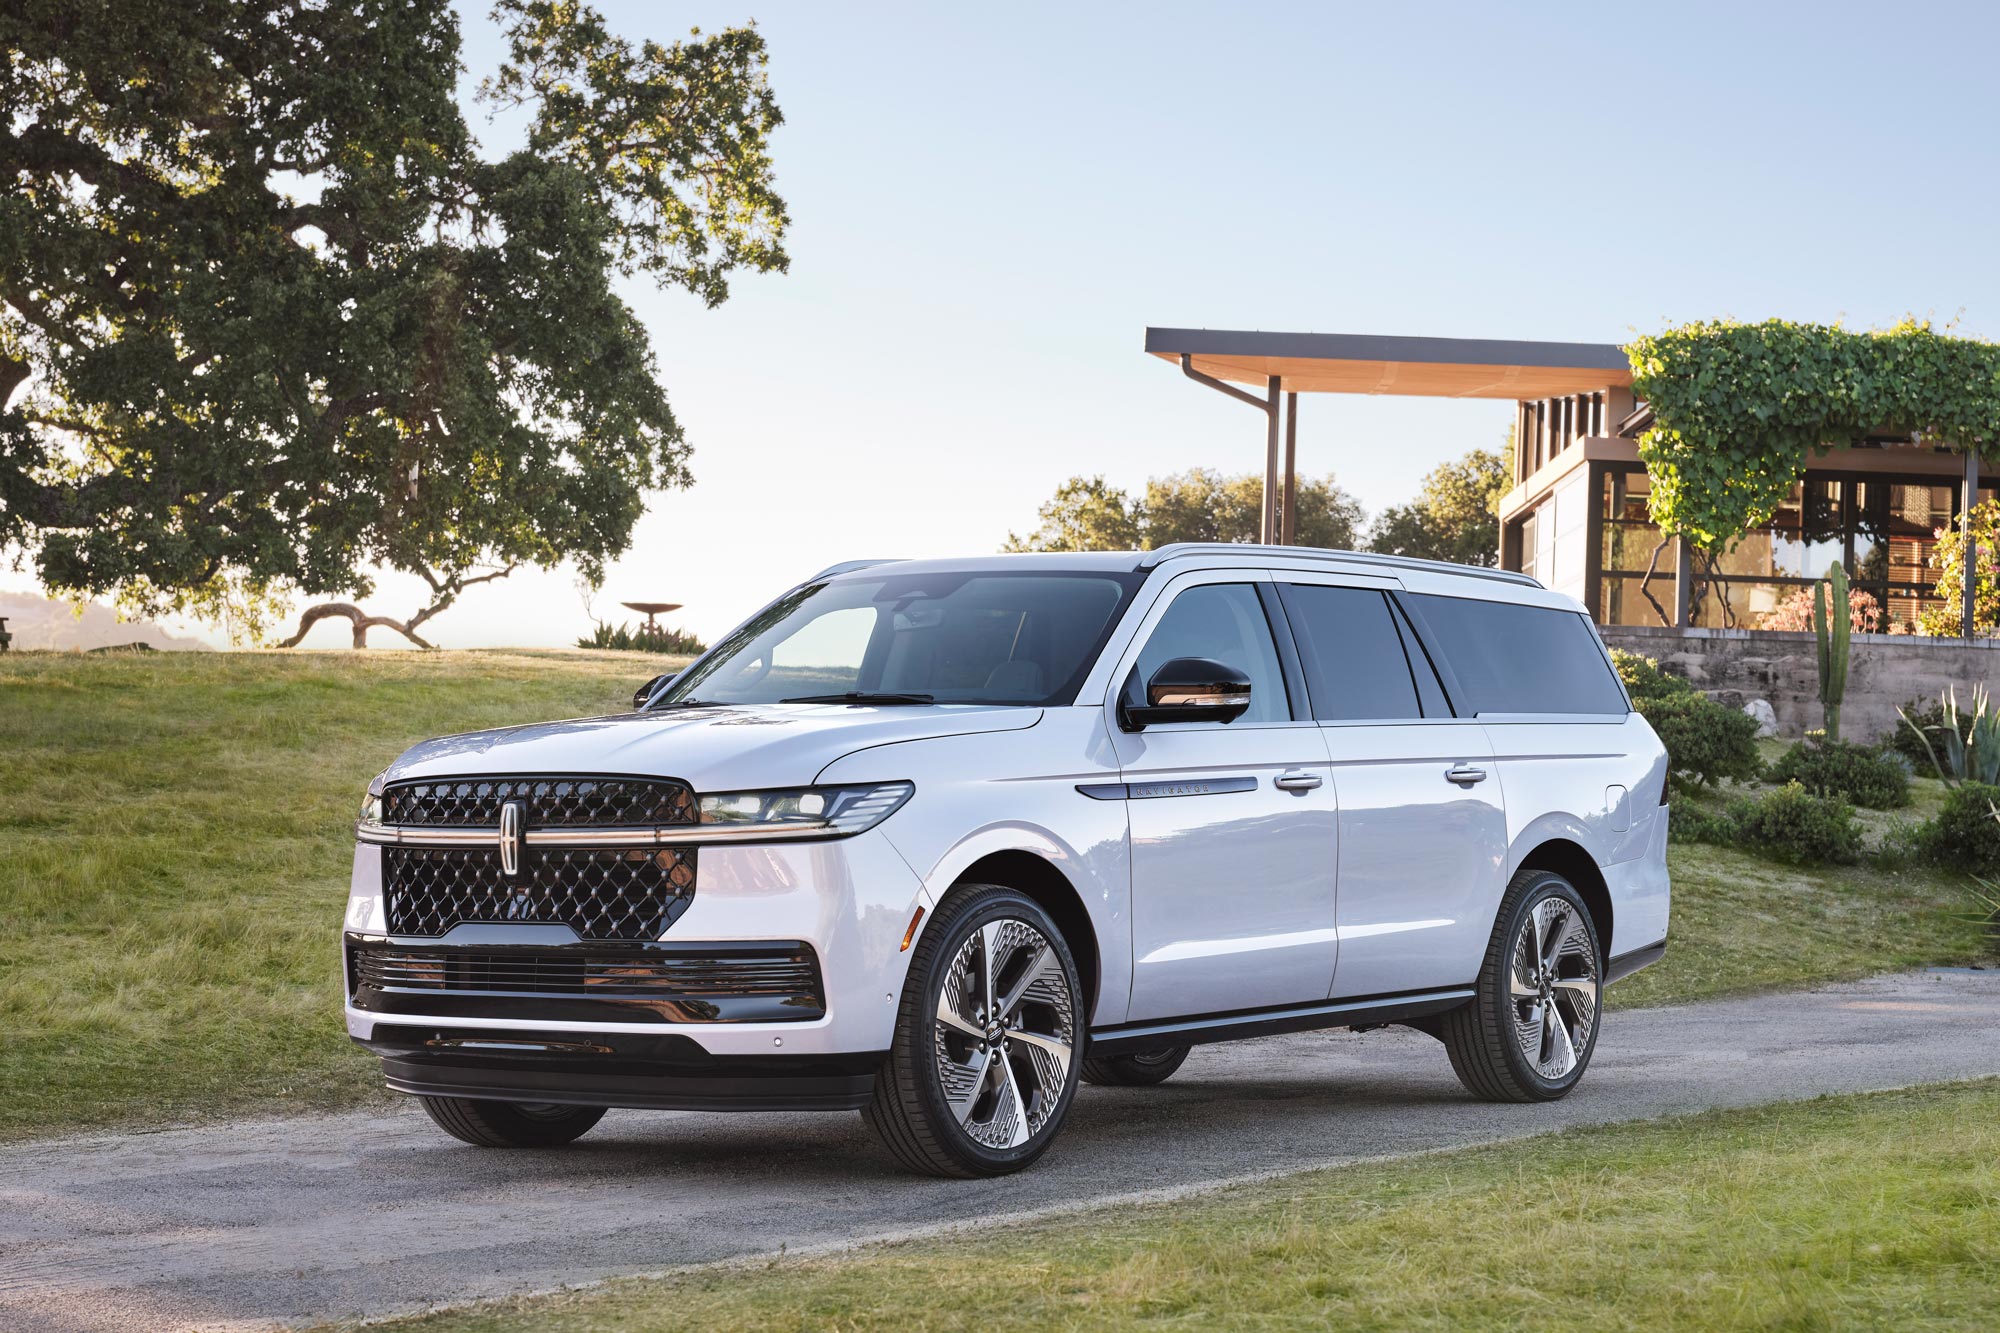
column 1738, row 409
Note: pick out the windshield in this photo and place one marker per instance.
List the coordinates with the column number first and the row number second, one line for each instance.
column 988, row 638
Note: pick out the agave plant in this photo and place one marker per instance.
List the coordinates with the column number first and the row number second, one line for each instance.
column 1971, row 752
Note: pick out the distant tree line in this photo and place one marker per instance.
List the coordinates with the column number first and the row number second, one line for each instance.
column 1455, row 515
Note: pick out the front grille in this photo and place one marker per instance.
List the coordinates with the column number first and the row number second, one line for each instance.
column 546, row 802
column 764, row 981
column 601, row 893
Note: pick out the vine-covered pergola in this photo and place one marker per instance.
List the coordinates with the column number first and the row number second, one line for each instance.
column 1739, row 410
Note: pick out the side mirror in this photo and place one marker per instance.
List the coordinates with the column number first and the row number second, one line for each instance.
column 648, row 690
column 1187, row 689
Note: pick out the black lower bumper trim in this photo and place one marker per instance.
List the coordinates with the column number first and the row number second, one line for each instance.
column 644, row 1071
column 1625, row 964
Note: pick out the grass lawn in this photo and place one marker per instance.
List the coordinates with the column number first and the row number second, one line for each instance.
column 175, row 836
column 176, row 831
column 1873, row 1211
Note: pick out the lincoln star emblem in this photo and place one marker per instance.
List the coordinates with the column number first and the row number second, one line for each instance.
column 510, row 838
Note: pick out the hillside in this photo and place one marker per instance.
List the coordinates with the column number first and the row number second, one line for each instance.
column 39, row 623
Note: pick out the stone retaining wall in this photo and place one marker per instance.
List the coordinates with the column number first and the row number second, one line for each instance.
column 1884, row 670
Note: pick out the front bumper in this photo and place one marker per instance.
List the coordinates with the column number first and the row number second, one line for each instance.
column 590, row 1068
column 849, row 902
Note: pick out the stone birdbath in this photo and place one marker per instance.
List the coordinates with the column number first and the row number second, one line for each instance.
column 651, row 610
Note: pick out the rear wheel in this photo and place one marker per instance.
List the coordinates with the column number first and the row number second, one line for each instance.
column 983, row 1065
column 1528, row 1035
column 1138, row 1069
column 492, row 1124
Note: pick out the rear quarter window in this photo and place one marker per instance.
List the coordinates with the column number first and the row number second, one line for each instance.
column 1511, row 658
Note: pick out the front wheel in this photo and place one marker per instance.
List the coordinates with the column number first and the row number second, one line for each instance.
column 490, row 1124
column 1528, row 1034
column 983, row 1064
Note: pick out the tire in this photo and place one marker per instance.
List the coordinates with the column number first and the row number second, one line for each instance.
column 1137, row 1070
column 490, row 1124
column 944, row 1105
column 1529, row 1033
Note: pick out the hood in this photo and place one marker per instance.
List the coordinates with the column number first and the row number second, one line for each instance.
column 723, row 748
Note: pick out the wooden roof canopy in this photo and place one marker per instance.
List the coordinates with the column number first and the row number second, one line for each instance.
column 1419, row 367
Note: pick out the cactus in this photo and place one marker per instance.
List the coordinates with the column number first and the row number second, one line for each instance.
column 1832, row 626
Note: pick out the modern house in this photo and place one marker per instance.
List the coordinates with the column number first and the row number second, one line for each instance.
column 1576, row 518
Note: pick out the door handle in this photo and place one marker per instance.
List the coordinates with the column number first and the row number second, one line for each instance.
column 1296, row 779
column 1465, row 773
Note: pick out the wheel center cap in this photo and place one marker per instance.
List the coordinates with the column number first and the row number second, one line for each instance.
column 995, row 1032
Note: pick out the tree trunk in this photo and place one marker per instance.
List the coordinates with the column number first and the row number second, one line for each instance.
column 444, row 591
column 359, row 619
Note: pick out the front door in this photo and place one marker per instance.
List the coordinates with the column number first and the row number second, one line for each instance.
column 1233, row 825
column 1423, row 829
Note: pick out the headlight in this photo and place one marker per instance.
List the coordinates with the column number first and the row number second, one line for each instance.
column 801, row 811
column 371, row 804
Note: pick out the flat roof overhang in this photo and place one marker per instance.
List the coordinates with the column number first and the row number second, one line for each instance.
column 1376, row 363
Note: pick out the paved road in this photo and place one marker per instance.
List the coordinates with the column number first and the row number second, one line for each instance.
column 299, row 1220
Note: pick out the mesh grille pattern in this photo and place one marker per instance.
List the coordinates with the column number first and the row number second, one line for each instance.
column 547, row 802
column 600, row 893
column 784, row 971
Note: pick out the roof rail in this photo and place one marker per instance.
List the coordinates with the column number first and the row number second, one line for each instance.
column 1174, row 550
column 849, row 566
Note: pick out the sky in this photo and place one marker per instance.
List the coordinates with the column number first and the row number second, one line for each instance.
column 991, row 203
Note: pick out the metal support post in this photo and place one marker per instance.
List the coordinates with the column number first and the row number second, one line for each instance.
column 1288, row 534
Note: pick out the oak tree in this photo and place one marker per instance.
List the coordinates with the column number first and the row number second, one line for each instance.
column 270, row 318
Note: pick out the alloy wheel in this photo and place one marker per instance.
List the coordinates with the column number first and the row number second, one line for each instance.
column 1554, row 987
column 1005, row 1034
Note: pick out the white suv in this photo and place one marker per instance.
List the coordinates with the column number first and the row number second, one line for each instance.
column 935, row 839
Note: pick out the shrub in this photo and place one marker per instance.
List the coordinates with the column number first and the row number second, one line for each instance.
column 1861, row 774
column 1692, row 823
column 1645, row 680
column 1706, row 741
column 1965, row 835
column 1792, row 824
column 641, row 640
column 1930, row 716
column 1795, row 613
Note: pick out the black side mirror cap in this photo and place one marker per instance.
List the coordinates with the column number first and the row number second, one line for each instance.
column 648, row 690
column 1186, row 689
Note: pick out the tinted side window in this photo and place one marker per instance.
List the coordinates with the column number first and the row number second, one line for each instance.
column 1520, row 659
column 1225, row 623
column 1355, row 664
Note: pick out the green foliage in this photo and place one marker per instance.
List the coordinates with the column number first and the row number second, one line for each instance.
column 1791, row 824
column 623, row 638
column 1706, row 741
column 1965, row 834
column 1645, row 680
column 1198, row 505
column 1962, row 747
column 269, row 319
column 1862, row 774
column 1945, row 617
column 1456, row 516
column 1831, row 628
column 1920, row 728
column 1739, row 408
column 1690, row 822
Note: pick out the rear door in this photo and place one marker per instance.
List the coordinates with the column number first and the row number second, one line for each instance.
column 1232, row 824
column 1423, row 828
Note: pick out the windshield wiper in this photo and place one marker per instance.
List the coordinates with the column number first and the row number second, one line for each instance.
column 860, row 697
